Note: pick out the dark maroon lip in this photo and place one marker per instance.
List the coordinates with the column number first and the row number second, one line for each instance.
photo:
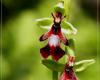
column 68, row 74
column 55, row 52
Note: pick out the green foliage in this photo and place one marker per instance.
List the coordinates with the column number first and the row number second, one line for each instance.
column 78, row 66
column 69, row 29
column 52, row 65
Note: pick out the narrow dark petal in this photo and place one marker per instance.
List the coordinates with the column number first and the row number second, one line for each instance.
column 63, row 38
column 45, row 51
column 46, row 35
column 41, row 38
column 57, row 53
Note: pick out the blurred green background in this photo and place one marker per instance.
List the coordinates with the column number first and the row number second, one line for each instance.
column 21, row 59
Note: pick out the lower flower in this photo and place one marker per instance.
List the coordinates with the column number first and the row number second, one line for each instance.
column 68, row 74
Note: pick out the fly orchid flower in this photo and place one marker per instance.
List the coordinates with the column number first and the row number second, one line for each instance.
column 68, row 74
column 55, row 37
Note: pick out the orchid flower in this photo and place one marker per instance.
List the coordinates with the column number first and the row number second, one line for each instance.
column 68, row 74
column 55, row 37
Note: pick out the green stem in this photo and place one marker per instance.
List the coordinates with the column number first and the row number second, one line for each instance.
column 55, row 75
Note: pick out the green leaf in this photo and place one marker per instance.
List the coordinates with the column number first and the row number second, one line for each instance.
column 44, row 22
column 55, row 66
column 78, row 66
column 83, row 64
column 70, row 29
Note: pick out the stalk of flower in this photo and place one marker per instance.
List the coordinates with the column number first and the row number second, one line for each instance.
column 55, row 37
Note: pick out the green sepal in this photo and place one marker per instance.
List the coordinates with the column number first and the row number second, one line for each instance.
column 65, row 31
column 46, row 23
column 67, row 27
column 70, row 29
column 67, row 6
column 52, row 65
column 59, row 8
column 72, row 43
column 83, row 65
column 43, row 22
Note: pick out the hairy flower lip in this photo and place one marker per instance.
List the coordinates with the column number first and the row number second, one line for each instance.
column 55, row 52
column 68, row 74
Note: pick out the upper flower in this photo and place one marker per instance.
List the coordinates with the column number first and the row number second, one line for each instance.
column 55, row 37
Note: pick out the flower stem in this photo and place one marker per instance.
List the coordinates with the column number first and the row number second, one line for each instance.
column 55, row 75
